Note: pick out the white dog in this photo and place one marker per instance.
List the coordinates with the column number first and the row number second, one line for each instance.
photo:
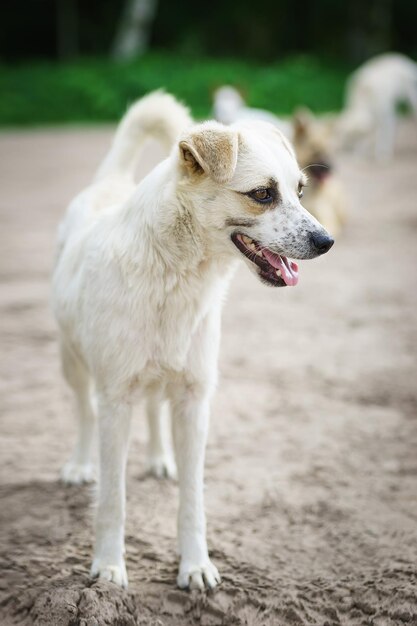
column 230, row 107
column 374, row 92
column 324, row 197
column 140, row 278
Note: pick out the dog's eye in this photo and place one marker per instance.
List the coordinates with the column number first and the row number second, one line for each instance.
column 300, row 190
column 262, row 195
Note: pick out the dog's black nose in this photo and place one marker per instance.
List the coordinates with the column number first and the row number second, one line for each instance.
column 322, row 243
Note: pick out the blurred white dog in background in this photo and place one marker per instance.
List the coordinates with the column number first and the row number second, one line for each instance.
column 229, row 107
column 373, row 94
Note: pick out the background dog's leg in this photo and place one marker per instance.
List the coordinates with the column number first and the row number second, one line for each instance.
column 79, row 468
column 190, row 414
column 161, row 461
column 386, row 123
column 114, row 426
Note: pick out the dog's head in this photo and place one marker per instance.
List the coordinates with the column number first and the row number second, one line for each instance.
column 243, row 185
column 312, row 144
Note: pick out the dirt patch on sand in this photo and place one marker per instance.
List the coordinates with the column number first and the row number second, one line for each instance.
column 311, row 463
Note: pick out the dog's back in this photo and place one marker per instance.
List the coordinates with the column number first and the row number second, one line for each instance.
column 158, row 116
column 384, row 80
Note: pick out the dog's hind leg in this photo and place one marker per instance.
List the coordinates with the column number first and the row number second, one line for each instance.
column 386, row 123
column 161, row 461
column 79, row 469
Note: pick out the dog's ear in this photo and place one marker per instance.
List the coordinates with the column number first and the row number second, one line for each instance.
column 210, row 148
column 302, row 119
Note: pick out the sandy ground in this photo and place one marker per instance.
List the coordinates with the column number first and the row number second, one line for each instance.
column 311, row 463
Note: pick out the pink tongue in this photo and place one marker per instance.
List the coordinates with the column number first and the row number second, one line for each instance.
column 289, row 269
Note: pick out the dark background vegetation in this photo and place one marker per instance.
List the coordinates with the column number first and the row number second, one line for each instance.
column 56, row 65
column 264, row 30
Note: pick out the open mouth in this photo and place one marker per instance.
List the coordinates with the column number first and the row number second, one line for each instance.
column 274, row 269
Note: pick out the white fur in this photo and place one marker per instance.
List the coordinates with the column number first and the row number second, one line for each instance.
column 140, row 277
column 373, row 94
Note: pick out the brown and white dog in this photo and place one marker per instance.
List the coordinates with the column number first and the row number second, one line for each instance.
column 324, row 196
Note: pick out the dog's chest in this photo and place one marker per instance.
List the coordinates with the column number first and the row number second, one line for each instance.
column 168, row 323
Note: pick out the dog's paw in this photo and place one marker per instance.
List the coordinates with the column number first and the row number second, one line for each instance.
column 76, row 474
column 198, row 576
column 114, row 573
column 162, row 466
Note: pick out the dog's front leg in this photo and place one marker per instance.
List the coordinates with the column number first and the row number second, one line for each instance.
column 190, row 413
column 114, row 425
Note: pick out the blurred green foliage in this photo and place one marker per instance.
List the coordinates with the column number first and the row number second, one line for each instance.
column 99, row 90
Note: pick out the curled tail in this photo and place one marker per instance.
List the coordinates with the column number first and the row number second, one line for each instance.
column 158, row 115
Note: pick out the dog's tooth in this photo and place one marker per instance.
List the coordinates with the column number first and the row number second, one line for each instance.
column 246, row 240
column 278, row 273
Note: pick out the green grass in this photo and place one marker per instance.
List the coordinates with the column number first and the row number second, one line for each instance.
column 92, row 90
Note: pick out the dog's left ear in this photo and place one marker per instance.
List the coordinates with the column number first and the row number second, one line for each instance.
column 210, row 148
column 302, row 119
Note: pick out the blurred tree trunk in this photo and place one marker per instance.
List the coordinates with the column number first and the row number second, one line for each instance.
column 369, row 28
column 381, row 24
column 133, row 33
column 67, row 29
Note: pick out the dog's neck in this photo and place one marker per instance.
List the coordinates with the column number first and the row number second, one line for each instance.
column 161, row 216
